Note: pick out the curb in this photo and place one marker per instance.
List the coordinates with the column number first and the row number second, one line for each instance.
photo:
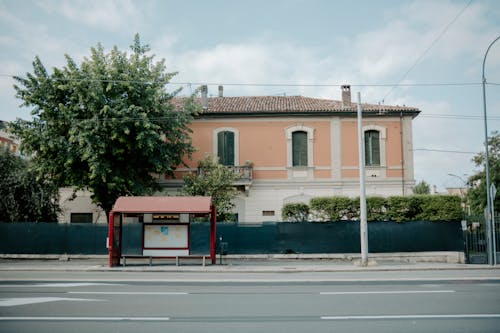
column 449, row 257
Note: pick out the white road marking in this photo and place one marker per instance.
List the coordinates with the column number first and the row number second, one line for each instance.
column 128, row 292
column 438, row 316
column 35, row 300
column 74, row 284
column 386, row 292
column 59, row 285
column 84, row 318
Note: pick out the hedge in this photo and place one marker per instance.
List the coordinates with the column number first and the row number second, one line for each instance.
column 394, row 208
column 295, row 212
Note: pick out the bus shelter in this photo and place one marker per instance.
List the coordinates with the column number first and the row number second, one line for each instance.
column 166, row 224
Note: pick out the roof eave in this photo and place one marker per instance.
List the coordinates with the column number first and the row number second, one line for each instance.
column 345, row 113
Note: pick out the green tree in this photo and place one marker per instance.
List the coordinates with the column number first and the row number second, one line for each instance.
column 23, row 197
column 106, row 125
column 215, row 180
column 477, row 182
column 422, row 188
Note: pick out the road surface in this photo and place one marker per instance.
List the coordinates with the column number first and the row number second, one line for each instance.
column 155, row 302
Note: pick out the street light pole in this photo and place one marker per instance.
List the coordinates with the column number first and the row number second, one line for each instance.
column 363, row 226
column 463, row 194
column 489, row 208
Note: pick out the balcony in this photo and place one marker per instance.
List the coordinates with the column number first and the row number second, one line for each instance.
column 244, row 176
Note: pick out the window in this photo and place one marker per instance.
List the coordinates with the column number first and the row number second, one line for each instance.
column 81, row 217
column 372, row 148
column 225, row 147
column 299, row 149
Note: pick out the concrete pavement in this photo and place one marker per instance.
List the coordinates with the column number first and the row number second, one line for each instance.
column 248, row 263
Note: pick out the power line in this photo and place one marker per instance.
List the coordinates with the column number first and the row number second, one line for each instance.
column 445, row 151
column 264, row 84
column 427, row 50
column 461, row 117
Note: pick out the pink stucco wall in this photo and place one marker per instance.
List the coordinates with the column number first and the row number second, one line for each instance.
column 263, row 142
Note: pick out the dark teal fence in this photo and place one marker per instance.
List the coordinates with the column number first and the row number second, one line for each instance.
column 268, row 238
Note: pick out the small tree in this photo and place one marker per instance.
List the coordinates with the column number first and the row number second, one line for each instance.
column 477, row 182
column 23, row 197
column 215, row 180
column 106, row 125
column 422, row 188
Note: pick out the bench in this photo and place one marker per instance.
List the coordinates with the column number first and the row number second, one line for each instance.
column 177, row 258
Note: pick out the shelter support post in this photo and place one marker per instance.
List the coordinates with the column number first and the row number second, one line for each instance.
column 111, row 228
column 114, row 240
column 213, row 234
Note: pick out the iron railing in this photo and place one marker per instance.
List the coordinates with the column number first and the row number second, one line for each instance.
column 242, row 172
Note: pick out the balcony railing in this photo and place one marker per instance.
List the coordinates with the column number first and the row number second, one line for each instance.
column 243, row 173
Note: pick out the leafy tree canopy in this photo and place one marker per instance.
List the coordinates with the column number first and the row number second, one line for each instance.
column 215, row 180
column 477, row 182
column 422, row 188
column 107, row 124
column 24, row 198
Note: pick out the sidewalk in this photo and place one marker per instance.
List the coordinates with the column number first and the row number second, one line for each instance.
column 240, row 263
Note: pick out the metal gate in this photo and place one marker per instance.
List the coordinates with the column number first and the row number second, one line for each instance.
column 476, row 240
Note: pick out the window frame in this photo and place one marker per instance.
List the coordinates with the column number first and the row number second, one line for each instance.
column 215, row 147
column 382, row 145
column 299, row 149
column 300, row 171
column 372, row 148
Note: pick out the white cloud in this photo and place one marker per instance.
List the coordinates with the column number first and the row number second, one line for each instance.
column 108, row 14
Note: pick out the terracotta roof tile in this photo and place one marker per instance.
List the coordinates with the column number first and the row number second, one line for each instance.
column 286, row 104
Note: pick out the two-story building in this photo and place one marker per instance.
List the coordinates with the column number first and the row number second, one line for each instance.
column 294, row 148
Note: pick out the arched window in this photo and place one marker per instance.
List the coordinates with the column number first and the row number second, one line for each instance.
column 372, row 148
column 225, row 147
column 299, row 149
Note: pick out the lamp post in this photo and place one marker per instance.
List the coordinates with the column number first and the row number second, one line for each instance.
column 463, row 194
column 489, row 209
column 363, row 226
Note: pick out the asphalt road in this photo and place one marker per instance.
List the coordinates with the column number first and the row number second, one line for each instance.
column 152, row 304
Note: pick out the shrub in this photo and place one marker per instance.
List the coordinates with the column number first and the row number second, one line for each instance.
column 295, row 212
column 376, row 208
column 334, row 208
column 440, row 208
column 395, row 208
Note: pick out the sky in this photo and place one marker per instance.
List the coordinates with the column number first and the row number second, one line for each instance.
column 425, row 54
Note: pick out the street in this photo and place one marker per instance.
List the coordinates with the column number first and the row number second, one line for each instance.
column 154, row 302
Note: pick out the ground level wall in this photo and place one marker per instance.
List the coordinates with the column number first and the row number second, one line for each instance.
column 266, row 238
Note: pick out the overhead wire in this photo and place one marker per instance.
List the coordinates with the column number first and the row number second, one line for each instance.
column 268, row 84
column 441, row 34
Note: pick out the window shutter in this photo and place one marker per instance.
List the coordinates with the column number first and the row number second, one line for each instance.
column 225, row 147
column 372, row 148
column 299, row 148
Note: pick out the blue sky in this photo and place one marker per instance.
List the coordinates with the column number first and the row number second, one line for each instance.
column 302, row 47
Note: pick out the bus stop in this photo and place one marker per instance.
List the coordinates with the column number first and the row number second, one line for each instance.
column 165, row 225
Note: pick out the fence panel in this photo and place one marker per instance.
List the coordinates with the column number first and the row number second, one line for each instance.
column 267, row 238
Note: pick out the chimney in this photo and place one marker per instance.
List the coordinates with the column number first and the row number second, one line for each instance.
column 221, row 91
column 204, row 100
column 346, row 96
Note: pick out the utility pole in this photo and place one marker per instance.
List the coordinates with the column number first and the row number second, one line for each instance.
column 362, row 189
column 490, row 208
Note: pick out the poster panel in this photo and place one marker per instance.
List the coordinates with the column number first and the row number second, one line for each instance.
column 164, row 236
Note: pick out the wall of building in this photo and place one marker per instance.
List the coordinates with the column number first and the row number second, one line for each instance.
column 78, row 202
column 263, row 141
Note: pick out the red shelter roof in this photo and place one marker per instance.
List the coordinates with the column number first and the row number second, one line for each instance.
column 162, row 205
